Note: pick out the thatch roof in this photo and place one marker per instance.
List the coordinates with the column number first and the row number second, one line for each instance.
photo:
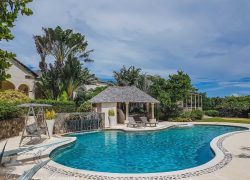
column 123, row 94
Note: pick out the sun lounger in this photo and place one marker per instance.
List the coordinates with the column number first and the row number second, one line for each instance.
column 146, row 122
column 132, row 123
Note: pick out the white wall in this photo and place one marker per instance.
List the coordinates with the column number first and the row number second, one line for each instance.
column 94, row 86
column 105, row 107
column 18, row 77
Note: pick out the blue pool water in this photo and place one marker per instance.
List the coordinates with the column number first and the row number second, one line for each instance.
column 142, row 152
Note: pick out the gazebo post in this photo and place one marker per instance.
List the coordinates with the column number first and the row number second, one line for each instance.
column 147, row 107
column 152, row 111
column 127, row 113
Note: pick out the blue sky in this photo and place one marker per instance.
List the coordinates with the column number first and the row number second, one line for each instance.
column 209, row 40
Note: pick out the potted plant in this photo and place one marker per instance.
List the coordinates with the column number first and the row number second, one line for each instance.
column 112, row 119
column 50, row 120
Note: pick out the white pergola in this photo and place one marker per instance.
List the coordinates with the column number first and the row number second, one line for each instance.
column 194, row 101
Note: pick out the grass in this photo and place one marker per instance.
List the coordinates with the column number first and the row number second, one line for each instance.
column 229, row 120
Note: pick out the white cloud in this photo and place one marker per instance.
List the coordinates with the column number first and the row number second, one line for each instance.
column 207, row 39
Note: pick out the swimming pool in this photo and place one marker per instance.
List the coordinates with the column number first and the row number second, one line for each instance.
column 142, row 152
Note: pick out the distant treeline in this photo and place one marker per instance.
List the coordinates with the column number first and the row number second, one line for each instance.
column 229, row 106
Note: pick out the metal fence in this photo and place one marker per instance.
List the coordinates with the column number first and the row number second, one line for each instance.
column 84, row 122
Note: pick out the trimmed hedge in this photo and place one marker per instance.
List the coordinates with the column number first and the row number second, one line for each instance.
column 58, row 106
column 212, row 113
column 9, row 110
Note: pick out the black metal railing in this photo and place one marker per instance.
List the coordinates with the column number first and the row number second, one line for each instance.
column 84, row 122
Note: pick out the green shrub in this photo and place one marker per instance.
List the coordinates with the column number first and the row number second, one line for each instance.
column 196, row 114
column 85, row 107
column 212, row 113
column 181, row 119
column 185, row 114
column 9, row 110
column 58, row 106
column 111, row 112
column 13, row 96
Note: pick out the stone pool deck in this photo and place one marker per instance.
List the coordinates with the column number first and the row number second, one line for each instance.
column 232, row 161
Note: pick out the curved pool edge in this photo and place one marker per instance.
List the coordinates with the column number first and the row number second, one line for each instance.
column 221, row 159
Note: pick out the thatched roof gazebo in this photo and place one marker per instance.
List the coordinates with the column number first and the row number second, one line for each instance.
column 109, row 98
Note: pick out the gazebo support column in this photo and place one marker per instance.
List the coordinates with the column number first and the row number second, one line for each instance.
column 147, row 107
column 127, row 113
column 152, row 113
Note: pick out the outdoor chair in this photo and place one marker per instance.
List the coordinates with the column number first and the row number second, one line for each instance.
column 146, row 122
column 132, row 123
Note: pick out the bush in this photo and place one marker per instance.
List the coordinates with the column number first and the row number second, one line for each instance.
column 185, row 114
column 181, row 119
column 196, row 115
column 58, row 106
column 111, row 112
column 85, row 107
column 9, row 110
column 212, row 113
column 13, row 96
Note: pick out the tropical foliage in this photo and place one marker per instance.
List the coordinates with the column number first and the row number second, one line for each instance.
column 60, row 80
column 229, row 106
column 85, row 107
column 60, row 44
column 212, row 113
column 9, row 110
column 9, row 10
column 84, row 95
column 9, row 99
column 13, row 96
column 167, row 91
column 58, row 106
column 127, row 76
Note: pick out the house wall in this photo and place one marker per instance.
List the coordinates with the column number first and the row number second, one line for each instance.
column 94, row 86
column 105, row 107
column 19, row 76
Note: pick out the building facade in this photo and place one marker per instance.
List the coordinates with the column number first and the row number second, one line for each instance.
column 22, row 79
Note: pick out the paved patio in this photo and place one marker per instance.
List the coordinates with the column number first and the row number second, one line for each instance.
column 234, row 164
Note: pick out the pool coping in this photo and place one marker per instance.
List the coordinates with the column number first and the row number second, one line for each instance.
column 221, row 159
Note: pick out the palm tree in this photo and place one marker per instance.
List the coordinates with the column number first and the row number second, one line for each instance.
column 43, row 50
column 74, row 76
column 127, row 77
column 61, row 44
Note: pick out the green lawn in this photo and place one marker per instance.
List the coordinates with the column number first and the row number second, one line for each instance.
column 230, row 120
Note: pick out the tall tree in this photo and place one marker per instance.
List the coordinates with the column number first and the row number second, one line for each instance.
column 9, row 10
column 61, row 44
column 43, row 50
column 170, row 91
column 144, row 82
column 179, row 86
column 53, row 84
column 49, row 85
column 75, row 76
column 127, row 76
